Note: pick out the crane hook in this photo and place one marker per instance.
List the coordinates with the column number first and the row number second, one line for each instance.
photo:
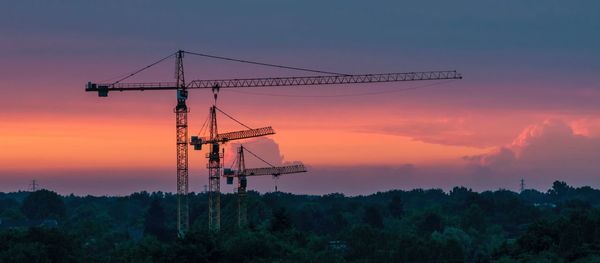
column 276, row 178
column 215, row 90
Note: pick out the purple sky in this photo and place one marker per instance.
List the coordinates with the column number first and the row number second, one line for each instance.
column 528, row 106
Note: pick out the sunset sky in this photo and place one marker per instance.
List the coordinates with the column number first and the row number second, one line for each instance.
column 528, row 106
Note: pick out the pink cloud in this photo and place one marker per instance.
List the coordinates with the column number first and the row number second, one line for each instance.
column 543, row 152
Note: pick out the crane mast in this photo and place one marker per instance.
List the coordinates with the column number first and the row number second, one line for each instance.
column 214, row 174
column 181, row 125
column 241, row 191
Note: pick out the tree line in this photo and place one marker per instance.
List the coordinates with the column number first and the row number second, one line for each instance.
column 559, row 225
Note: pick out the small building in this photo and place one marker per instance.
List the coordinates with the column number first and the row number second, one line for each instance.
column 338, row 245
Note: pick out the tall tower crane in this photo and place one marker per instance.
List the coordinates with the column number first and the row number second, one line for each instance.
column 215, row 163
column 182, row 88
column 242, row 172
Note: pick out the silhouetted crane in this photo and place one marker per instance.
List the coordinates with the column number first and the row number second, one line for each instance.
column 181, row 109
column 215, row 156
column 242, row 172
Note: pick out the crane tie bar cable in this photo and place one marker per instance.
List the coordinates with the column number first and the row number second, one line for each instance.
column 239, row 122
column 234, row 162
column 204, row 125
column 142, row 69
column 246, row 149
column 265, row 64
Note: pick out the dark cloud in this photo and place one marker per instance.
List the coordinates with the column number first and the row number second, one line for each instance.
column 497, row 158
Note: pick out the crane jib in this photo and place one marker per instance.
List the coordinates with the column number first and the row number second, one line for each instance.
column 103, row 89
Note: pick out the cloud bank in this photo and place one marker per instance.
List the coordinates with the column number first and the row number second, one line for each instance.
column 542, row 152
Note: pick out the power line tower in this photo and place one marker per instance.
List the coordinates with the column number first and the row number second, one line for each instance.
column 522, row 188
column 242, row 172
column 33, row 186
column 182, row 87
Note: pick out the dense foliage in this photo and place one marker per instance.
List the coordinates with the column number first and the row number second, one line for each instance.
column 560, row 225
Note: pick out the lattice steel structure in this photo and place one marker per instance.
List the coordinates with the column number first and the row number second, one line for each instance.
column 237, row 135
column 181, row 124
column 214, row 175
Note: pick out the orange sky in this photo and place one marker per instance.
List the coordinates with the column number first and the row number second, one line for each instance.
column 52, row 142
column 38, row 141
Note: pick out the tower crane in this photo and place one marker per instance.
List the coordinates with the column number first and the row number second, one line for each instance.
column 215, row 157
column 181, row 109
column 242, row 172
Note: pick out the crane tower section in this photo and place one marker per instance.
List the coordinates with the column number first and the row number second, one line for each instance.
column 214, row 174
column 181, row 125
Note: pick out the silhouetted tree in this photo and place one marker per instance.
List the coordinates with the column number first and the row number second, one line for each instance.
column 196, row 247
column 473, row 217
column 39, row 245
column 433, row 226
column 155, row 220
column 372, row 217
column 280, row 221
column 396, row 206
column 559, row 190
column 429, row 223
column 363, row 242
column 43, row 204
